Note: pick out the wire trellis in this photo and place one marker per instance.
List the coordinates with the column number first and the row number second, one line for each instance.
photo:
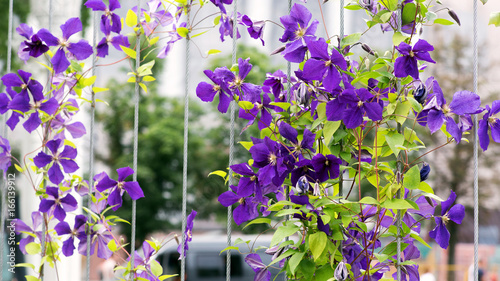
column 231, row 142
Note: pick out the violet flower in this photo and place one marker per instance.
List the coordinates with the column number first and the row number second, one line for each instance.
column 247, row 208
column 188, row 235
column 56, row 159
column 272, row 159
column 80, row 50
column 323, row 66
column 78, row 231
column 109, row 20
column 5, row 156
column 99, row 238
column 116, row 41
column 437, row 112
column 33, row 46
column 489, row 123
column 260, row 269
column 326, row 166
column 407, row 64
column 259, row 107
column 410, row 272
column 119, row 187
column 275, row 83
column 296, row 24
column 456, row 214
column 5, row 99
column 255, row 29
column 21, row 227
column 291, row 134
column 207, row 92
column 57, row 203
column 220, row 4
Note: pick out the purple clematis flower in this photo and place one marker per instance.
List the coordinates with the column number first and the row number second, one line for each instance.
column 455, row 214
column 78, row 231
column 221, row 3
column 407, row 63
column 491, row 122
column 260, row 269
column 188, row 235
column 109, row 20
column 99, row 238
column 437, row 112
column 56, row 160
column 326, row 166
column 207, row 92
column 116, row 41
column 255, row 29
column 21, row 227
column 272, row 159
column 5, row 156
column 57, row 203
column 62, row 122
column 296, row 24
column 410, row 272
column 119, row 187
column 247, row 208
column 322, row 66
column 259, row 106
column 80, row 50
column 291, row 134
column 275, row 83
column 5, row 99
column 33, row 46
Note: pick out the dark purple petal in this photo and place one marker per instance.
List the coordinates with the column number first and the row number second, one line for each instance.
column 353, row 117
column 446, row 205
column 288, row 132
column 228, row 198
column 405, row 66
column 456, row 213
column 55, row 174
column 69, row 166
column 133, row 189
column 20, row 103
column 62, row 228
column 373, row 110
column 435, row 120
column 32, row 123
column 50, row 106
column 440, row 234
column 59, row 61
column 422, row 46
column 453, row 130
column 120, row 40
column 484, row 138
column 205, row 92
column 115, row 199
column 465, row 102
column 42, row 159
column 25, row 30
column 245, row 211
column 243, row 169
column 105, row 183
column 68, row 152
column 68, row 247
column 124, row 172
column 12, row 80
column 70, row 27
column 244, row 67
column 54, row 145
column 69, row 203
column 314, row 69
column 295, row 51
column 80, row 50
column 102, row 48
column 255, row 262
column 95, row 5
column 45, row 205
column 114, row 4
column 47, row 37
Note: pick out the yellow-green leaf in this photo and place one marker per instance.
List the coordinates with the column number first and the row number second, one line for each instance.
column 33, row 248
column 317, row 243
column 148, row 78
column 219, row 173
column 213, row 51
column 98, row 89
column 153, row 40
column 131, row 53
column 131, row 18
column 18, row 168
column 144, row 87
column 182, row 31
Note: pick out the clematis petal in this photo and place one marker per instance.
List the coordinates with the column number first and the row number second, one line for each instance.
column 288, row 132
column 435, row 120
column 32, row 123
column 54, row 145
column 76, row 129
column 133, row 189
column 124, row 172
column 465, row 102
column 50, row 106
column 68, row 152
column 47, row 37
column 484, row 138
column 495, row 131
column 95, row 5
column 59, row 61
column 55, row 174
column 69, row 203
column 45, row 205
column 457, row 213
column 115, row 199
column 70, row 27
column 453, row 130
column 68, row 247
column 446, row 205
column 81, row 50
column 105, row 183
column 228, row 198
column 440, row 234
column 62, row 228
column 42, row 159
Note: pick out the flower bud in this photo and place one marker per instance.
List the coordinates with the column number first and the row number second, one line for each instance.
column 420, row 94
column 454, row 16
column 341, row 272
column 424, row 172
column 302, row 185
column 367, row 49
column 302, row 95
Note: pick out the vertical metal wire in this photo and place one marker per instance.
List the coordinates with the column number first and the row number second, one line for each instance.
column 4, row 134
column 399, row 23
column 231, row 143
column 91, row 141
column 136, row 132
column 185, row 154
column 476, row 169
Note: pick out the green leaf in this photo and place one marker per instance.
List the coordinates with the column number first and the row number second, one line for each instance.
column 351, row 39
column 398, row 37
column 98, row 89
column 230, row 248
column 163, row 277
column 369, row 200
column 219, row 173
column 443, row 21
column 246, row 144
column 307, row 267
column 31, row 278
column 282, row 232
column 391, row 5
column 213, row 52
column 131, row 18
column 282, row 105
column 182, row 31
column 153, row 40
column 18, row 168
column 329, row 129
column 397, row 204
column 246, row 105
column 411, row 178
column 144, row 87
column 394, row 139
column 129, row 52
column 258, row 221
column 419, row 239
column 294, row 261
column 324, row 273
column 409, row 13
column 425, row 187
column 145, row 69
column 494, row 19
column 112, row 245
column 156, row 268
column 353, row 7
column 484, row 1
column 33, row 248
column 148, row 78
column 317, row 243
column 402, row 111
column 25, row 265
